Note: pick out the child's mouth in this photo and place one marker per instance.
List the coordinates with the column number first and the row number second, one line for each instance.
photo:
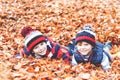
column 41, row 51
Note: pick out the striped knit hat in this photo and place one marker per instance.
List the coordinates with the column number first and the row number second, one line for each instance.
column 86, row 34
column 32, row 37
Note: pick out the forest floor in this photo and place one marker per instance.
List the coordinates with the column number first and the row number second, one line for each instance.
column 60, row 20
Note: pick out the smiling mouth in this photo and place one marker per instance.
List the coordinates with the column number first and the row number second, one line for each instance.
column 84, row 51
column 41, row 51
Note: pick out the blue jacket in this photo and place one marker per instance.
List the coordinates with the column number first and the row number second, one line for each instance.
column 97, row 57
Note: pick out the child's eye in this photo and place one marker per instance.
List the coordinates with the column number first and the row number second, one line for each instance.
column 36, row 47
column 79, row 44
column 86, row 44
column 41, row 43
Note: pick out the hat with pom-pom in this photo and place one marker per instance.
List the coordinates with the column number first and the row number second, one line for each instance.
column 32, row 37
column 86, row 34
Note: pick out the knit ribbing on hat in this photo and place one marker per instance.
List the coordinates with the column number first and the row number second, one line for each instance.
column 87, row 35
column 32, row 43
column 85, row 38
column 32, row 37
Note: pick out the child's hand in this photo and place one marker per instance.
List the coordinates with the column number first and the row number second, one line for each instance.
column 108, row 71
column 20, row 54
column 116, row 54
column 108, row 44
column 17, row 56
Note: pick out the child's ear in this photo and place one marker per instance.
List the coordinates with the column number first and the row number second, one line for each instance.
column 32, row 52
column 92, row 46
column 75, row 46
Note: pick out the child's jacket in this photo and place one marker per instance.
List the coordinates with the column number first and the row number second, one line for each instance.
column 98, row 56
column 53, row 51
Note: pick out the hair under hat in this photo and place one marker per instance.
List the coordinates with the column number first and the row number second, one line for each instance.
column 32, row 37
column 86, row 34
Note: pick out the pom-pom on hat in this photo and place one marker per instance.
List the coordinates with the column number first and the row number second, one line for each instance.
column 86, row 34
column 32, row 37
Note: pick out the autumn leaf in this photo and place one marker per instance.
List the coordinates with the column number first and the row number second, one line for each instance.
column 60, row 20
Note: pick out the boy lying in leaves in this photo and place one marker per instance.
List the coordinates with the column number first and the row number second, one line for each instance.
column 40, row 46
column 84, row 49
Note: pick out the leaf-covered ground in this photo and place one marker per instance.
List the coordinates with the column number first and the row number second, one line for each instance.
column 61, row 20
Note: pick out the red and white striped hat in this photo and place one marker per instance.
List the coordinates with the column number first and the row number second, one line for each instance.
column 32, row 37
column 86, row 34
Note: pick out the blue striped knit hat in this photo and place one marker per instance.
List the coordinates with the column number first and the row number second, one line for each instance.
column 86, row 34
column 32, row 37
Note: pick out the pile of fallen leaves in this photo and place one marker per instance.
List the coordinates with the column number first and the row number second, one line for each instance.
column 60, row 20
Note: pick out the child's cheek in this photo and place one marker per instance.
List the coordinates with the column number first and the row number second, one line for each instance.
column 35, row 51
column 78, row 48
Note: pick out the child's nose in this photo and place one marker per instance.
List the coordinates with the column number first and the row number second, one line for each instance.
column 40, row 47
column 82, row 46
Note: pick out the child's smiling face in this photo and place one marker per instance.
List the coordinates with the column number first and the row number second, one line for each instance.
column 84, row 48
column 40, row 48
